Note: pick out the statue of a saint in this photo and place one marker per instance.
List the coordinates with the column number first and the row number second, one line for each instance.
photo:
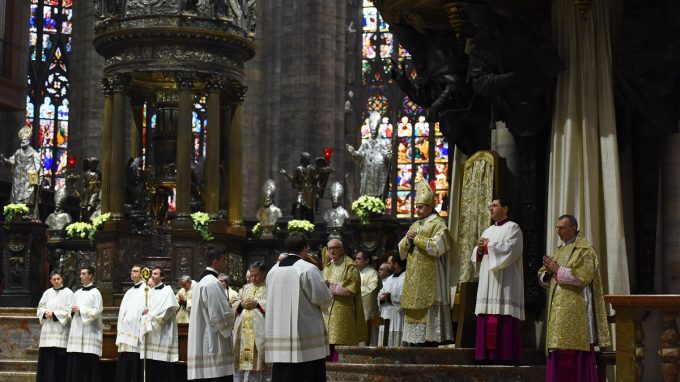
column 269, row 213
column 59, row 219
column 309, row 180
column 91, row 183
column 373, row 158
column 26, row 169
column 336, row 216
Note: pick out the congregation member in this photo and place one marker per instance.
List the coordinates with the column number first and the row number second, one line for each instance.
column 85, row 337
column 295, row 333
column 54, row 315
column 248, row 336
column 232, row 295
column 209, row 347
column 500, row 295
column 384, row 272
column 390, row 301
column 184, row 297
column 159, row 331
column 129, row 365
column 426, row 294
column 345, row 317
column 576, row 317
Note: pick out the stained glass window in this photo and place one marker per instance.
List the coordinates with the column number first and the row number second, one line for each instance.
column 47, row 103
column 420, row 150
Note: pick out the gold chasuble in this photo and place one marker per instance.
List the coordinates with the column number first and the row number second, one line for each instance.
column 571, row 317
column 422, row 273
column 345, row 320
column 249, row 333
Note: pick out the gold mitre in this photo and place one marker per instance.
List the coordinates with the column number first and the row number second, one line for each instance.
column 424, row 193
column 25, row 133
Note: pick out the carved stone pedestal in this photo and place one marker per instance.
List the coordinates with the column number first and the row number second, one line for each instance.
column 24, row 269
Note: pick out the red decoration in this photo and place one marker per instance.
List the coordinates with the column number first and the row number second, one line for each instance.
column 71, row 161
column 433, row 186
column 327, row 151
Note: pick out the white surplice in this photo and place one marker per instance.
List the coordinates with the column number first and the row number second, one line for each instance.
column 501, row 278
column 209, row 353
column 158, row 332
column 294, row 325
column 86, row 333
column 391, row 310
column 55, row 333
column 129, row 318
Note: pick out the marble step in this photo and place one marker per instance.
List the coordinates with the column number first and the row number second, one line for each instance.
column 413, row 356
column 17, row 376
column 353, row 372
column 11, row 365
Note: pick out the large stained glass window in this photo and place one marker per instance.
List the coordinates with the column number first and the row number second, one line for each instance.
column 420, row 150
column 47, row 103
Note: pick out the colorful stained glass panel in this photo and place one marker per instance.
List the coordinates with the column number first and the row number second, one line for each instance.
column 404, row 150
column 404, row 204
column 421, row 150
column 422, row 127
column 422, row 173
column 367, row 47
column 404, row 176
column 386, row 46
column 370, row 19
column 441, row 150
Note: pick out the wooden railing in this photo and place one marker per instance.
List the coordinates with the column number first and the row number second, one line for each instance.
column 630, row 350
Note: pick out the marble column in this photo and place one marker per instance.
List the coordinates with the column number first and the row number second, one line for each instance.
column 211, row 193
column 107, row 89
column 185, row 83
column 235, row 166
column 116, row 173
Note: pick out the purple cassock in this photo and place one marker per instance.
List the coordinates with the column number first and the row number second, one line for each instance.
column 498, row 338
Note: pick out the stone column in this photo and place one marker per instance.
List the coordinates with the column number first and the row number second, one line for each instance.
column 211, row 193
column 234, row 166
column 116, row 173
column 185, row 84
column 107, row 88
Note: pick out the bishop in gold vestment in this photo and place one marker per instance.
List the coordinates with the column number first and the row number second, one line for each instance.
column 576, row 318
column 426, row 295
column 345, row 317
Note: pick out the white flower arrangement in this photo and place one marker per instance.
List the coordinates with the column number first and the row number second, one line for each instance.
column 303, row 226
column 257, row 230
column 14, row 209
column 367, row 206
column 200, row 223
column 79, row 230
column 98, row 222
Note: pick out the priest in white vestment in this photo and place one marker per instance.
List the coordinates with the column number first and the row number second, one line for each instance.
column 295, row 332
column 158, row 332
column 389, row 299
column 250, row 308
column 209, row 353
column 85, row 337
column 54, row 315
column 370, row 285
column 128, row 365
column 500, row 294
column 184, row 297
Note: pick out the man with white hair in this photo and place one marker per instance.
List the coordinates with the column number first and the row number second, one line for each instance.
column 184, row 297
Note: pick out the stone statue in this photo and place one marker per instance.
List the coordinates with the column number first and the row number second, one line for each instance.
column 269, row 213
column 373, row 158
column 336, row 216
column 59, row 219
column 91, row 184
column 310, row 181
column 26, row 170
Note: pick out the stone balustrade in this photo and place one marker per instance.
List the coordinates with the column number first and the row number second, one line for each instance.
column 630, row 349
